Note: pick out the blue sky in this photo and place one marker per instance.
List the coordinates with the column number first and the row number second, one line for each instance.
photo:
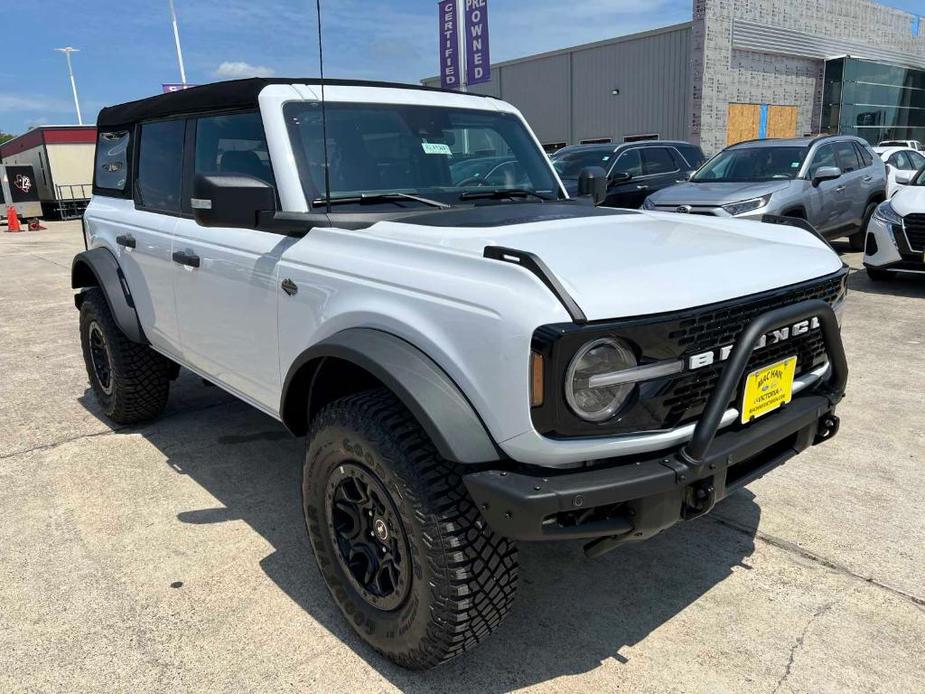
column 127, row 47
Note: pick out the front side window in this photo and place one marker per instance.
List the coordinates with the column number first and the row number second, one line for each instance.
column 233, row 144
column 900, row 161
column 111, row 167
column 657, row 160
column 825, row 156
column 160, row 165
column 752, row 164
column 629, row 162
column 377, row 150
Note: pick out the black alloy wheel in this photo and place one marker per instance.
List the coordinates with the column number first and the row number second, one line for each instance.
column 365, row 527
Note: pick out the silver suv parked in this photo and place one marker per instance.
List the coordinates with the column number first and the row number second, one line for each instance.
column 833, row 182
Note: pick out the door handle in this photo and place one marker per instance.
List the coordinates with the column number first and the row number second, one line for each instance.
column 186, row 259
column 126, row 240
column 642, row 187
column 868, row 179
column 290, row 287
column 839, row 189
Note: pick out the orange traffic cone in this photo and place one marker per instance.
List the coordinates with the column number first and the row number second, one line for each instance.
column 12, row 221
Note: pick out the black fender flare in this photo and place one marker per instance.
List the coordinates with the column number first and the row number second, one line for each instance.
column 98, row 267
column 439, row 406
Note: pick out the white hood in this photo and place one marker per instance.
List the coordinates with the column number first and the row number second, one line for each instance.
column 909, row 200
column 648, row 262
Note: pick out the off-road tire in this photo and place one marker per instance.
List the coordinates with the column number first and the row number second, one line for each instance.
column 878, row 275
column 139, row 377
column 463, row 576
column 856, row 240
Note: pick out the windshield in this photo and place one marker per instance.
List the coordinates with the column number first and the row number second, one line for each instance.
column 570, row 164
column 379, row 150
column 752, row 164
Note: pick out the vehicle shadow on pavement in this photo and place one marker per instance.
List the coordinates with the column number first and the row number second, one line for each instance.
column 571, row 613
column 901, row 284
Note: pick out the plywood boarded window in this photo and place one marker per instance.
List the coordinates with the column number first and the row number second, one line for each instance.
column 782, row 121
column 759, row 121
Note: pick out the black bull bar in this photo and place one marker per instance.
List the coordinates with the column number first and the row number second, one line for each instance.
column 634, row 497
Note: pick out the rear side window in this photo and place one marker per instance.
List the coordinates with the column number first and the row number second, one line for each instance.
column 847, row 157
column 866, row 157
column 657, row 160
column 160, row 166
column 233, row 144
column 111, row 169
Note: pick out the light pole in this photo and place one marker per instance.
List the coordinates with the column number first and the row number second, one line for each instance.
column 70, row 71
column 176, row 39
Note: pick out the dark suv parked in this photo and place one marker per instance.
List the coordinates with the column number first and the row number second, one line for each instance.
column 634, row 169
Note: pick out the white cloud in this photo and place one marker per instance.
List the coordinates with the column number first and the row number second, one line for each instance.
column 236, row 69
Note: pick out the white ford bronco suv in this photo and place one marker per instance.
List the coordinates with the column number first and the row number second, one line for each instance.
column 474, row 358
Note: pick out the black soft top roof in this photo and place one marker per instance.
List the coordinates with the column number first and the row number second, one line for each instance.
column 232, row 94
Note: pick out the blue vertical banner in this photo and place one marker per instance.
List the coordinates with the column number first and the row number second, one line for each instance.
column 763, row 121
column 478, row 59
column 449, row 44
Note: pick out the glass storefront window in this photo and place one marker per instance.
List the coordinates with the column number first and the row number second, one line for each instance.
column 873, row 100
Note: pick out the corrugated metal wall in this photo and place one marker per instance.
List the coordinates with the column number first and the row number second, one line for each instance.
column 567, row 96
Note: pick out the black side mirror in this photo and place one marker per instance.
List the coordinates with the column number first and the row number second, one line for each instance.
column 231, row 200
column 592, row 182
column 619, row 177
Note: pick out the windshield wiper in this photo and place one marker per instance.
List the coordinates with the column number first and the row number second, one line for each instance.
column 379, row 197
column 499, row 193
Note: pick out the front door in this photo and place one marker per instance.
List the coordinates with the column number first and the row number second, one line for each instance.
column 826, row 200
column 225, row 279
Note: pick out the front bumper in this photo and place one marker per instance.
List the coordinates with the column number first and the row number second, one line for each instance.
column 633, row 498
column 887, row 247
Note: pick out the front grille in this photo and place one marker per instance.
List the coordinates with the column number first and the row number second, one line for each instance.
column 688, row 395
column 915, row 231
column 685, row 396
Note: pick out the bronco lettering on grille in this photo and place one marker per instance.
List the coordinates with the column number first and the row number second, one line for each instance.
column 702, row 359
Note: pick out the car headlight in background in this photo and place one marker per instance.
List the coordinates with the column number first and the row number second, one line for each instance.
column 602, row 356
column 647, row 204
column 885, row 213
column 736, row 208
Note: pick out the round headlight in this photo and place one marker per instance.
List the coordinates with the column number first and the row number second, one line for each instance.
column 603, row 356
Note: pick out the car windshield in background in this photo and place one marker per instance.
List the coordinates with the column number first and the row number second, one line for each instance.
column 570, row 164
column 379, row 150
column 752, row 164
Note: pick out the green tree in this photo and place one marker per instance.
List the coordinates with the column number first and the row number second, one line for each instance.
column 5, row 137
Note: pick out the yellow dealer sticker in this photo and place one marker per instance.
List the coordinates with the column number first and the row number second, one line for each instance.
column 768, row 388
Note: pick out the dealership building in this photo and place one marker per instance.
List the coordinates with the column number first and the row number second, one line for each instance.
column 741, row 69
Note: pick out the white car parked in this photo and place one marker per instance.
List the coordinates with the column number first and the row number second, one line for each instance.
column 900, row 162
column 911, row 144
column 473, row 362
column 895, row 239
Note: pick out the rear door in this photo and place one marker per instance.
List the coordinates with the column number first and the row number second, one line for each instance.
column 227, row 305
column 143, row 236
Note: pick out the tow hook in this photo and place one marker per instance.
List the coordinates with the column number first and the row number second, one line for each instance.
column 698, row 499
column 826, row 428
